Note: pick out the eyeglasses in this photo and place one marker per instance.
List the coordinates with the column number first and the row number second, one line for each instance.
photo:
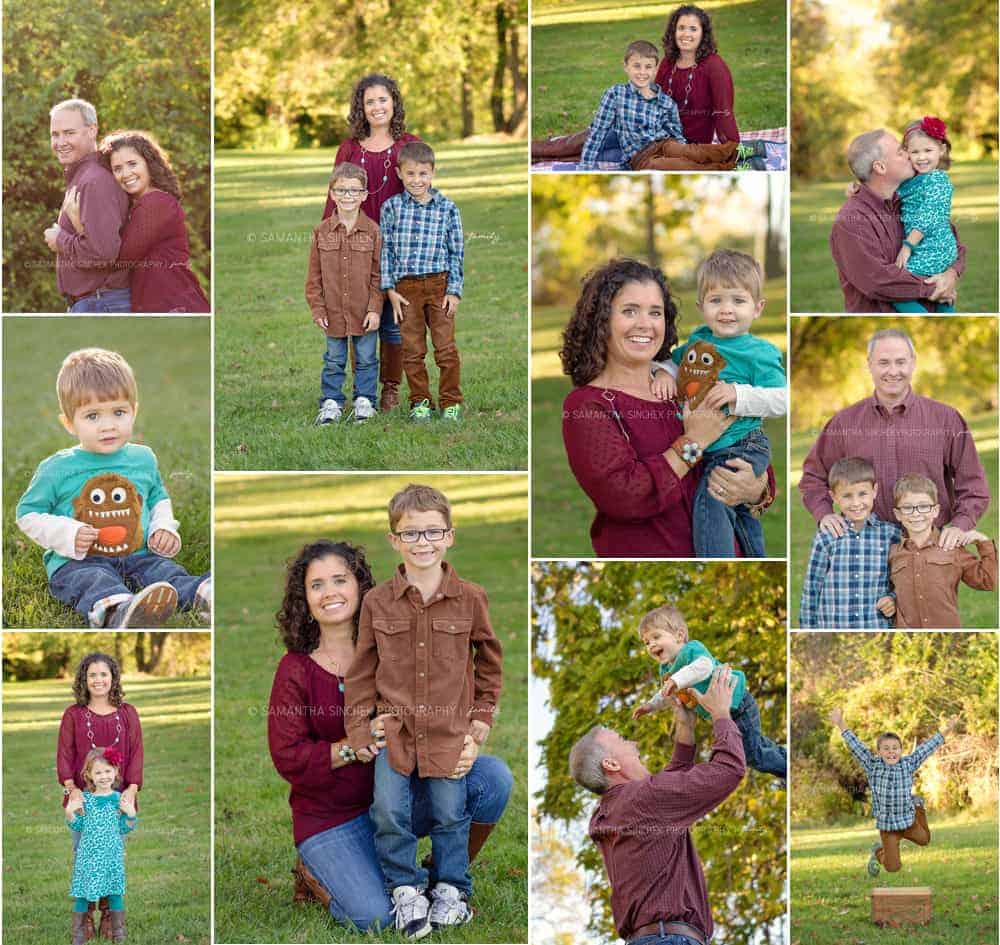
column 341, row 192
column 910, row 509
column 410, row 535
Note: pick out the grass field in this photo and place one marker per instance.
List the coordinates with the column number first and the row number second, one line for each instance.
column 171, row 358
column 978, row 608
column 268, row 353
column 562, row 513
column 260, row 522
column 814, row 285
column 577, row 48
column 831, row 889
column 167, row 857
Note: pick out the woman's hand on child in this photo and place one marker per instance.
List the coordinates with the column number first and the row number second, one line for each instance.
column 85, row 537
column 886, row 606
column 126, row 805
column 377, row 730
column 663, row 386
column 164, row 543
column 721, row 395
column 397, row 302
column 371, row 322
column 903, row 257
column 705, row 426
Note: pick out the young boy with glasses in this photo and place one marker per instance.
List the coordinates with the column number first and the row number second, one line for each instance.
column 427, row 657
column 342, row 289
column 925, row 577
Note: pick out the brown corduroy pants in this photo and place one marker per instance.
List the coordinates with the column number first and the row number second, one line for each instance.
column 918, row 832
column 671, row 155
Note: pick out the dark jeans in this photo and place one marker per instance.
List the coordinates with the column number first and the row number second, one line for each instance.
column 656, row 939
column 83, row 584
column 104, row 301
column 716, row 525
column 762, row 754
column 331, row 381
column 388, row 330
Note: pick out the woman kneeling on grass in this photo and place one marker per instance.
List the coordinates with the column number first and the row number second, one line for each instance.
column 330, row 795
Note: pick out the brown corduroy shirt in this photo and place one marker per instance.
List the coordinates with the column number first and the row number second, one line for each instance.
column 343, row 279
column 433, row 666
column 926, row 580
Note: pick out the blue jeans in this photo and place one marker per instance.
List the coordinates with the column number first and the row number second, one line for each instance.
column 611, row 149
column 83, row 585
column 104, row 301
column 395, row 840
column 656, row 939
column 715, row 524
column 762, row 754
column 388, row 330
column 343, row 858
column 331, row 381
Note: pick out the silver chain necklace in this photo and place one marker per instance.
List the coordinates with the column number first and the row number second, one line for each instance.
column 90, row 730
column 386, row 164
column 687, row 88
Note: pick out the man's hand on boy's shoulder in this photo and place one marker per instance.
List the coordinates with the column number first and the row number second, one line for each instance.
column 86, row 535
column 834, row 525
column 951, row 538
column 972, row 536
column 164, row 543
column 451, row 305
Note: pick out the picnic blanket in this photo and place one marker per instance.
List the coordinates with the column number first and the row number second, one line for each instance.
column 775, row 141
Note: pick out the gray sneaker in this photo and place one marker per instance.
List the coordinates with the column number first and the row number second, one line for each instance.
column 873, row 864
column 449, row 906
column 203, row 601
column 329, row 412
column 410, row 906
column 149, row 608
column 363, row 409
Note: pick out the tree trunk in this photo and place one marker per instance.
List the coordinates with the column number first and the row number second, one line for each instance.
column 652, row 256
column 774, row 257
column 157, row 645
column 468, row 116
column 519, row 81
column 499, row 68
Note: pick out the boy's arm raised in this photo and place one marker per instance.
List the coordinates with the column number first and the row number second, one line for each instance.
column 924, row 750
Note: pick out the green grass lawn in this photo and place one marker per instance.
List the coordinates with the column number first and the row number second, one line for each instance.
column 978, row 608
column 268, row 353
column 167, row 865
column 562, row 513
column 831, row 889
column 260, row 523
column 171, row 358
column 577, row 48
column 814, row 285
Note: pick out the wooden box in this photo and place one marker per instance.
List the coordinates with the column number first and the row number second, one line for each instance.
column 902, row 905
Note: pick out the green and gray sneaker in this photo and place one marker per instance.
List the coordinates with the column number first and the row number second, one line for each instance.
column 873, row 864
column 751, row 157
column 452, row 413
column 421, row 412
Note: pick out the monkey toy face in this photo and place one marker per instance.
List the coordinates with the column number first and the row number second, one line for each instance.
column 698, row 372
column 111, row 504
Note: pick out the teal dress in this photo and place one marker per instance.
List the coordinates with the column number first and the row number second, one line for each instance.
column 99, row 869
column 926, row 200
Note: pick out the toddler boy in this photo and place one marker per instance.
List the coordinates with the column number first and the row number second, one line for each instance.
column 423, row 251
column 342, row 289
column 899, row 814
column 426, row 655
column 648, row 124
column 925, row 577
column 687, row 664
column 723, row 366
column 100, row 509
column 847, row 578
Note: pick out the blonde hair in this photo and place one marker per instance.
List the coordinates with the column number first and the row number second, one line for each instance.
column 642, row 48
column 86, row 772
column 94, row 374
column 417, row 498
column 345, row 170
column 729, row 268
column 914, row 483
column 665, row 618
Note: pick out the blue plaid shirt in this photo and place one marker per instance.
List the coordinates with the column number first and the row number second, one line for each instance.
column 419, row 239
column 637, row 121
column 891, row 785
column 846, row 576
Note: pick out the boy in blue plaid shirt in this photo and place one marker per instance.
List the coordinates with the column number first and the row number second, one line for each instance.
column 899, row 814
column 847, row 579
column 648, row 124
column 423, row 250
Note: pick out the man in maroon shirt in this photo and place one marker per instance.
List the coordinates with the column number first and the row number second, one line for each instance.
column 85, row 262
column 868, row 233
column 899, row 433
column 642, row 823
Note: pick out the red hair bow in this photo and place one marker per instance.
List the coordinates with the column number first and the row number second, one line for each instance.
column 933, row 127
column 113, row 757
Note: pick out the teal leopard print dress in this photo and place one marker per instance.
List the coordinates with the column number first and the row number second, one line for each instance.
column 99, row 869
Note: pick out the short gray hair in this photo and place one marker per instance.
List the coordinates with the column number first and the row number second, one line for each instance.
column 864, row 151
column 86, row 110
column 585, row 759
column 884, row 333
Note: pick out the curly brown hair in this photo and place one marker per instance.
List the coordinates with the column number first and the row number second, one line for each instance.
column 356, row 116
column 585, row 340
column 705, row 48
column 297, row 627
column 116, row 695
column 161, row 174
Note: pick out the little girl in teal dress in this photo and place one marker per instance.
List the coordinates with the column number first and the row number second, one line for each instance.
column 929, row 246
column 102, row 822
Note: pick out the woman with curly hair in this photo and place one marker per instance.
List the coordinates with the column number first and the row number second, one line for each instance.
column 99, row 718
column 636, row 460
column 154, row 245
column 331, row 787
column 378, row 131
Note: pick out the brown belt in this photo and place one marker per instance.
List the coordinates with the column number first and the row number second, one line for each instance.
column 669, row 928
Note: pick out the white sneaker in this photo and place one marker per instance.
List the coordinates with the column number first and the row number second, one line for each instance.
column 448, row 906
column 363, row 409
column 411, row 908
column 329, row 412
column 203, row 600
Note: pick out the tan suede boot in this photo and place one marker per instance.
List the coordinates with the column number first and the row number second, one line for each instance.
column 78, row 931
column 117, row 925
column 390, row 374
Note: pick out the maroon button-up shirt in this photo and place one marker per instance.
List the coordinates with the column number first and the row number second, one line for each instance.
column 642, row 829
column 85, row 262
column 920, row 436
column 433, row 666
